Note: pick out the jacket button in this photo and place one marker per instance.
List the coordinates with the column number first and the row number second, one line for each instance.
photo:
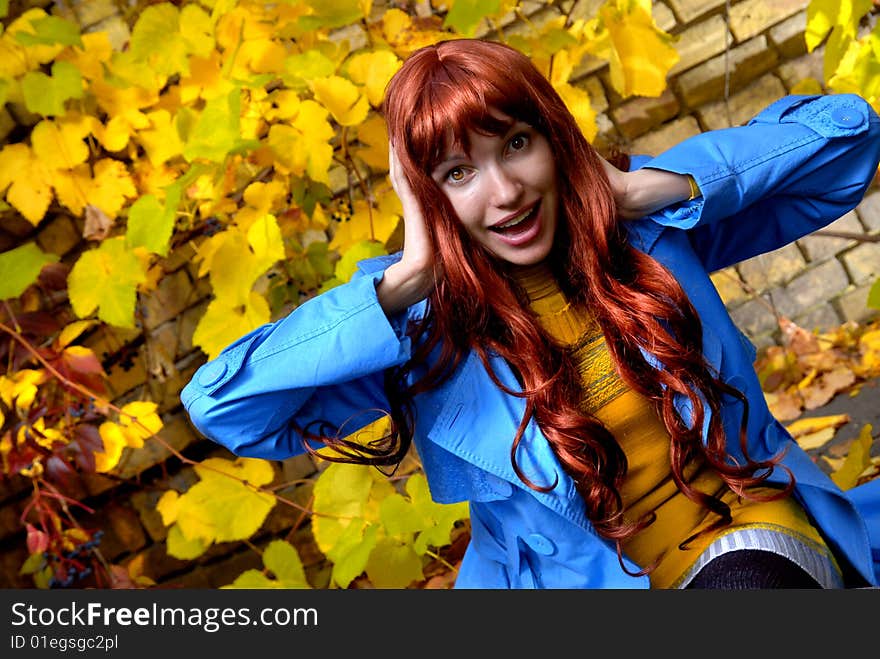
column 212, row 373
column 540, row 543
column 846, row 118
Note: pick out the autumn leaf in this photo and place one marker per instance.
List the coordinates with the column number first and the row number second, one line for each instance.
column 857, row 460
column 346, row 266
column 342, row 98
column 464, row 16
column 46, row 95
column 19, row 268
column 223, row 506
column 226, row 320
column 373, row 70
column 810, row 425
column 216, row 130
column 303, row 145
column 283, row 561
column 27, row 181
column 640, row 54
column 164, row 37
column 105, row 279
column 393, row 564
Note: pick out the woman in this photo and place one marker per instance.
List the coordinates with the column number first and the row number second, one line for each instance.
column 551, row 341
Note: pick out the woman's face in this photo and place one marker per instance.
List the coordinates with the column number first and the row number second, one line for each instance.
column 504, row 192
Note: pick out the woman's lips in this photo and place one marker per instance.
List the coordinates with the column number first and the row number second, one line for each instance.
column 524, row 231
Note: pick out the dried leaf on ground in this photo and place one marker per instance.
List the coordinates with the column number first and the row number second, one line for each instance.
column 824, row 387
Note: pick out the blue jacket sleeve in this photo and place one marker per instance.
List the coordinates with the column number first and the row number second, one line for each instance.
column 798, row 165
column 322, row 362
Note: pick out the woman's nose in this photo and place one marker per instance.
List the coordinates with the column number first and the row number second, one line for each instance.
column 506, row 187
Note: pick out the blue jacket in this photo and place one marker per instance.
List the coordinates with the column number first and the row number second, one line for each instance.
column 798, row 165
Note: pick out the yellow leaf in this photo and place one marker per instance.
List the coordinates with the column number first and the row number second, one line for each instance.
column 106, row 279
column 89, row 59
column 21, row 387
column 161, row 140
column 139, row 421
column 114, row 441
column 816, row 439
column 71, row 331
column 373, row 70
column 182, row 547
column 205, row 80
column 303, row 147
column 167, row 507
column 807, row 86
column 222, row 509
column 111, row 186
column 374, row 135
column 72, row 187
column 806, row 426
column 28, row 181
column 578, row 102
column 641, row 53
column 60, row 145
column 342, row 98
column 857, row 460
column 366, row 223
column 224, row 321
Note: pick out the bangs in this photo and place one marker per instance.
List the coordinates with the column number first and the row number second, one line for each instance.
column 455, row 101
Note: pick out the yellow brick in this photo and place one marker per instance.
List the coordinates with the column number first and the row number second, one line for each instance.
column 700, row 42
column 668, row 135
column 754, row 16
column 743, row 105
column 688, row 10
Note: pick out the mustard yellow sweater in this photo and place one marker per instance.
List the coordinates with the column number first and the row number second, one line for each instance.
column 648, row 485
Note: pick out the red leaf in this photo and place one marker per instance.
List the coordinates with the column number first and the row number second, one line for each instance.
column 59, row 471
column 37, row 541
column 82, row 363
column 39, row 323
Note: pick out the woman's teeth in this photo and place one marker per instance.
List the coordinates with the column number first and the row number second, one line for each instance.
column 522, row 217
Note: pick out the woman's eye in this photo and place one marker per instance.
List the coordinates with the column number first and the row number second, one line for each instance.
column 518, row 142
column 456, row 174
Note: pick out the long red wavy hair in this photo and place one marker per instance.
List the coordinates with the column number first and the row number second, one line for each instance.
column 477, row 306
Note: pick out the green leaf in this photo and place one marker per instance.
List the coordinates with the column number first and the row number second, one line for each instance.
column 156, row 40
column 331, row 14
column 45, row 95
column 302, row 68
column 106, row 279
column 874, row 295
column 51, row 30
column 465, row 15
column 4, row 8
column 20, row 267
column 216, row 132
column 251, row 579
column 33, row 563
column 394, row 565
column 352, row 553
column 285, row 563
column 149, row 226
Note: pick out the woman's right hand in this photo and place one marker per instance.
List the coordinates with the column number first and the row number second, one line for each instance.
column 412, row 278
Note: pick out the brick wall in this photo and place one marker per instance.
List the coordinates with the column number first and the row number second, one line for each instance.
column 757, row 55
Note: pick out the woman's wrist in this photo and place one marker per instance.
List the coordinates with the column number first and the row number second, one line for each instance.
column 402, row 286
column 649, row 190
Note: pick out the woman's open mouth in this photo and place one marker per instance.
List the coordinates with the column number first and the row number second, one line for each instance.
column 521, row 228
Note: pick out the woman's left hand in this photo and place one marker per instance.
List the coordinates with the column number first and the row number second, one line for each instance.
column 645, row 190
